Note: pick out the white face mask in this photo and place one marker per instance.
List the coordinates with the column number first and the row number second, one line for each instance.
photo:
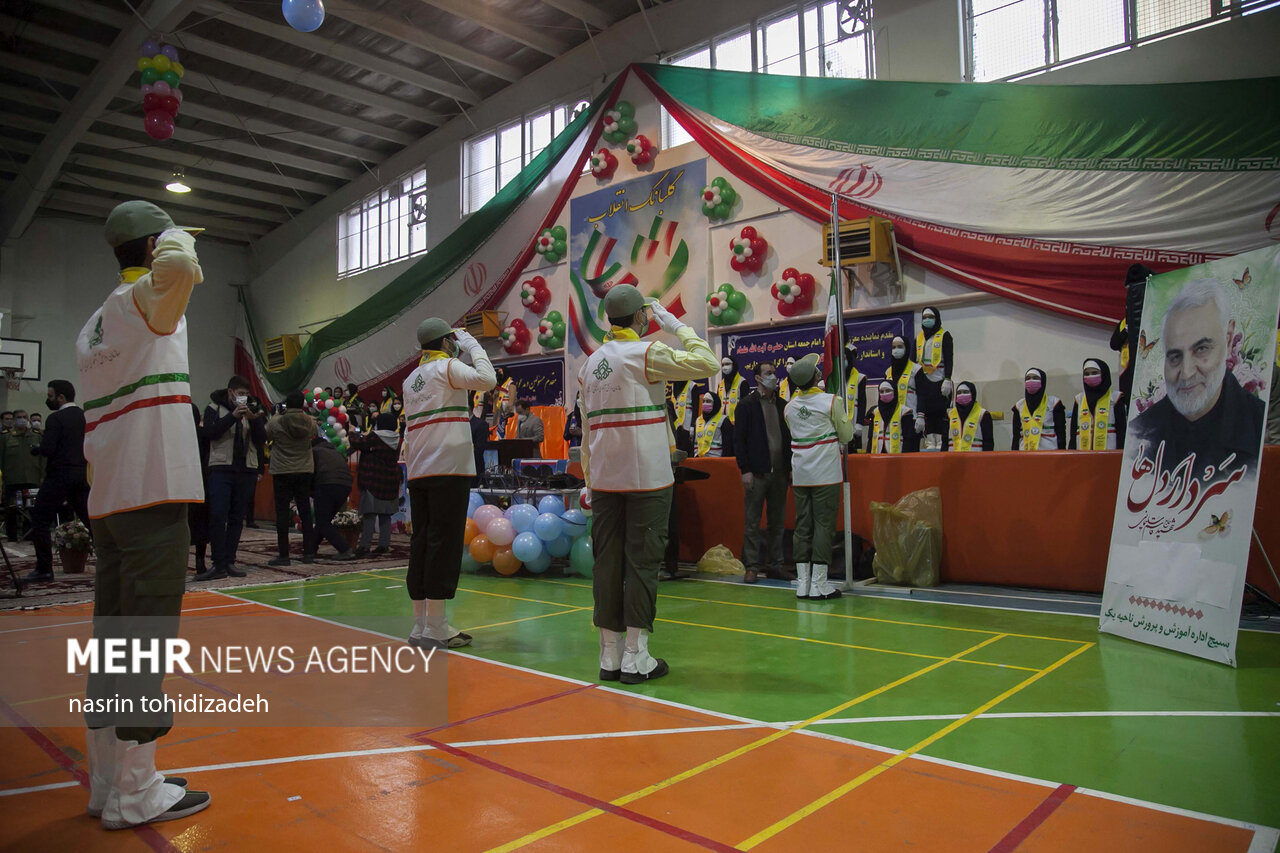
column 899, row 352
column 21, row 423
column 726, row 368
column 769, row 382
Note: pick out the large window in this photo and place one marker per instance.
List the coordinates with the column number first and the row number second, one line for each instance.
column 387, row 226
column 1011, row 38
column 492, row 159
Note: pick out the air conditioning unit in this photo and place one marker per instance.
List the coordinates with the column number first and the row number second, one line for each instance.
column 281, row 351
column 862, row 241
column 484, row 324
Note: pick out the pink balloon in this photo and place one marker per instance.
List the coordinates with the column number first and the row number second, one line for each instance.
column 148, row 88
column 177, row 93
column 486, row 515
column 161, row 88
column 500, row 531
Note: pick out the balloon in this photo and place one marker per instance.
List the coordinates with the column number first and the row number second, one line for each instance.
column 303, row 15
column 151, row 102
column 553, row 504
column 328, row 404
column 161, row 88
column 500, row 532
column 522, row 516
column 548, row 527
column 149, row 76
column 171, row 77
column 474, row 502
column 560, row 547
column 170, row 52
column 481, row 549
column 485, row 516
column 332, row 420
column 160, row 62
column 158, row 124
column 317, row 391
column 505, row 563
column 469, row 563
column 728, row 317
column 144, row 63
column 527, row 547
column 581, row 559
column 575, row 523
column 149, row 48
column 539, row 564
column 558, row 232
column 176, row 68
column 470, row 531
column 749, row 232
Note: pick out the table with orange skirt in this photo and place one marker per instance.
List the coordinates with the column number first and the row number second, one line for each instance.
column 1038, row 520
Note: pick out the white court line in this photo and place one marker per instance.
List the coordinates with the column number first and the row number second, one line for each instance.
column 90, row 621
column 1030, row 715
column 359, row 590
column 394, row 586
column 287, row 599
column 325, row 594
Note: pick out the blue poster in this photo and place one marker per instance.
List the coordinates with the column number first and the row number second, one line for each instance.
column 539, row 380
column 872, row 335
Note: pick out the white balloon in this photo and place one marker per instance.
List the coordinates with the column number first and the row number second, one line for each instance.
column 332, row 419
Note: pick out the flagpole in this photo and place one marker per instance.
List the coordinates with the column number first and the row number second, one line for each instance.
column 845, row 491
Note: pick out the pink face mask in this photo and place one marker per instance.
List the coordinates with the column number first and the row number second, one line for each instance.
column 886, row 396
column 964, row 398
column 1033, row 386
column 1093, row 381
column 706, row 408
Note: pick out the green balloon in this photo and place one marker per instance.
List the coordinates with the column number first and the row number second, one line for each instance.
column 558, row 233
column 551, row 257
column 555, row 343
column 171, row 77
column 558, row 328
column 469, row 564
column 626, row 126
column 719, row 182
column 729, row 316
column 738, row 301
column 722, row 210
column 581, row 560
column 149, row 76
column 624, row 108
column 728, row 195
column 726, row 288
column 554, row 317
column 561, row 246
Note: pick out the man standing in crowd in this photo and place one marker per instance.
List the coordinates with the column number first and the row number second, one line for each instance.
column 37, row 423
column 65, row 479
column 235, row 432
column 292, row 467
column 141, row 441
column 355, row 407
column 626, row 459
column 21, row 467
column 528, row 425
column 441, row 463
column 6, row 422
column 762, row 444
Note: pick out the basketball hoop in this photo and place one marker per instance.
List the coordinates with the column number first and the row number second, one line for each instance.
column 12, row 378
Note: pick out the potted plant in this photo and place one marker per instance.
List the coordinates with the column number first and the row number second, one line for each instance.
column 348, row 523
column 73, row 544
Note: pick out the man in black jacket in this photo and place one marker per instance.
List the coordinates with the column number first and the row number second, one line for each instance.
column 234, row 427
column 762, row 444
column 65, row 481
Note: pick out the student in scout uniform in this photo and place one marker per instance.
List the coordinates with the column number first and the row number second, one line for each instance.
column 141, row 443
column 932, row 350
column 904, row 374
column 855, row 384
column 893, row 424
column 714, row 431
column 441, row 464
column 1098, row 419
column 1039, row 418
column 729, row 386
column 819, row 425
column 969, row 427
column 784, row 387
column 626, row 461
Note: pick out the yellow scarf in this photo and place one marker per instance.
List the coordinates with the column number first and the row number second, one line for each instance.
column 1092, row 427
column 1033, row 423
column 895, row 431
column 962, row 435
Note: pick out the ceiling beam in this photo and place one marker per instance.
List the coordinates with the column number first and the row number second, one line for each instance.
column 89, row 204
column 23, row 198
column 399, row 28
column 158, row 193
column 336, row 50
column 583, row 11
column 196, row 182
column 494, row 21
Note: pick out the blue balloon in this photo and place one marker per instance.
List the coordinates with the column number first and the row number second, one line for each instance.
column 527, row 547
column 303, row 15
column 575, row 523
column 474, row 503
column 539, row 565
column 560, row 547
column 553, row 504
column 521, row 517
column 548, row 527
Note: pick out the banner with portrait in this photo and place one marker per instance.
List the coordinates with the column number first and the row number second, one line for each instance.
column 1188, row 488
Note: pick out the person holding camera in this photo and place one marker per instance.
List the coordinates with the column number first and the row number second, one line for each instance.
column 235, row 427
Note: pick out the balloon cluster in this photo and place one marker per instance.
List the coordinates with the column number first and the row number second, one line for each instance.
column 619, row 123
column 641, row 149
column 526, row 535
column 161, row 97
column 725, row 306
column 551, row 244
column 331, row 413
column 551, row 331
column 603, row 164
column 516, row 337
column 535, row 294
column 749, row 251
column 794, row 292
column 718, row 198
column 305, row 16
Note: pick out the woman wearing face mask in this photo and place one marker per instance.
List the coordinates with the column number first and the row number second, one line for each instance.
column 729, row 388
column 893, row 424
column 715, row 430
column 855, row 386
column 1039, row 418
column 904, row 374
column 932, row 350
column 970, row 424
column 388, row 395
column 784, row 387
column 1098, row 419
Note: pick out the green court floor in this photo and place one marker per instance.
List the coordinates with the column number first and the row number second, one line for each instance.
column 1082, row 708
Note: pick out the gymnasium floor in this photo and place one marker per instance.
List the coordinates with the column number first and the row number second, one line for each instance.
column 862, row 724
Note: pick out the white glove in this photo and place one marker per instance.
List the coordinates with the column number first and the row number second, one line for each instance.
column 466, row 341
column 946, row 388
column 919, row 425
column 665, row 318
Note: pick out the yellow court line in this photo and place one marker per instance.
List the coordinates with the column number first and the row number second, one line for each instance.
column 843, row 645
column 798, row 815
column 526, row 619
column 552, row 829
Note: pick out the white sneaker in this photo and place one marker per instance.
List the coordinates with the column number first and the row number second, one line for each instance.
column 802, row 580
column 140, row 795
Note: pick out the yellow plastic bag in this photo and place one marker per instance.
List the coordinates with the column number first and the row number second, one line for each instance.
column 720, row 561
column 908, row 539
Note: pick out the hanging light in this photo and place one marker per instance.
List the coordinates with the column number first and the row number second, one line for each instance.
column 176, row 185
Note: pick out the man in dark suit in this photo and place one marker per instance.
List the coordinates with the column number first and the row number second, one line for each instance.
column 65, row 481
column 762, row 443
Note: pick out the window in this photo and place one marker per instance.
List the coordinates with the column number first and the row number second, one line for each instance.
column 492, row 159
column 385, row 227
column 1006, row 39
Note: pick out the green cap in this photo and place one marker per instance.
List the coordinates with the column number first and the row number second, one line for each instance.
column 133, row 219
column 432, row 329
column 622, row 300
column 803, row 371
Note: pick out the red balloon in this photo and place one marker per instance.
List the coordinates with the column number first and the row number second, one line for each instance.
column 170, row 104
column 807, row 285
column 737, row 264
column 759, row 247
column 791, row 272
column 750, row 233
column 151, row 102
column 342, row 417
column 755, row 262
column 158, row 124
column 787, row 309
